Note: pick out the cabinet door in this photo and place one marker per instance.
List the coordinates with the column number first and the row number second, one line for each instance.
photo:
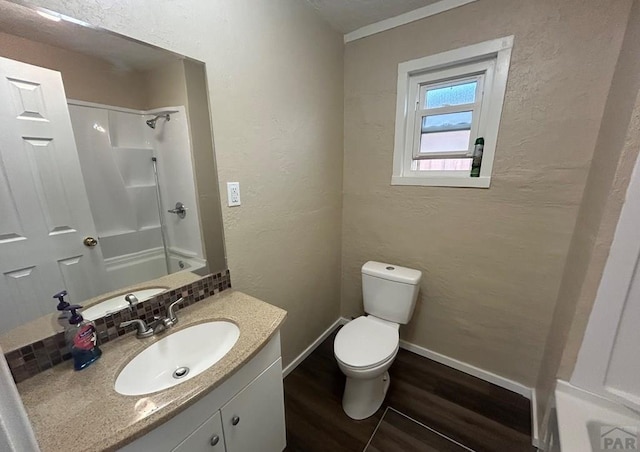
column 254, row 419
column 207, row 438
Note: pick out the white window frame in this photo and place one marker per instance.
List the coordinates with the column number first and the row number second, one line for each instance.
column 491, row 60
column 417, row 91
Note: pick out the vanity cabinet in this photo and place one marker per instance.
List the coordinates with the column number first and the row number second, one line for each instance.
column 207, row 438
column 251, row 418
column 244, row 414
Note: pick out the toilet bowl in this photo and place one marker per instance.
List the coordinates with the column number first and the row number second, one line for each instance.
column 366, row 347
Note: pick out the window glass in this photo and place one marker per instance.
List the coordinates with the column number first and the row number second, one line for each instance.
column 455, row 141
column 449, row 121
column 446, row 96
column 442, row 165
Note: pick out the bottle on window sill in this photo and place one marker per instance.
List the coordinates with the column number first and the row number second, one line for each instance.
column 477, row 157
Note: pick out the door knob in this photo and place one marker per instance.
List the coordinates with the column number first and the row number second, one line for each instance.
column 235, row 420
column 214, row 440
column 90, row 242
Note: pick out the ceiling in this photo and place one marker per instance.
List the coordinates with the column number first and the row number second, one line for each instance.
column 343, row 15
column 349, row 15
column 123, row 53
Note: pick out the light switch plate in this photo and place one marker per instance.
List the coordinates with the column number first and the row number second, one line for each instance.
column 233, row 194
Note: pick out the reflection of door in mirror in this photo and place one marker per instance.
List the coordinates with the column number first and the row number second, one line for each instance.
column 45, row 210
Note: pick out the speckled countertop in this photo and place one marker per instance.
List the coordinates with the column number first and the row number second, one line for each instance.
column 80, row 411
column 48, row 325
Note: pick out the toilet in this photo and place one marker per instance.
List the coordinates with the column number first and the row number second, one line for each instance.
column 366, row 347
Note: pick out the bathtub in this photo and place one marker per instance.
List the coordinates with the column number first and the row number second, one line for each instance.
column 583, row 422
column 150, row 264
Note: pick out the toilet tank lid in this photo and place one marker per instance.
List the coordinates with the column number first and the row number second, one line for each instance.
column 392, row 272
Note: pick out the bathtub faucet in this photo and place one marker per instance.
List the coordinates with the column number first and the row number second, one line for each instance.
column 131, row 299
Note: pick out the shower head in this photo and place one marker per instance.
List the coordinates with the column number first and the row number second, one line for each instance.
column 152, row 122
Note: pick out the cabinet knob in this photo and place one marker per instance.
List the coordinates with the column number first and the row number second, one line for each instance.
column 235, row 420
column 215, row 439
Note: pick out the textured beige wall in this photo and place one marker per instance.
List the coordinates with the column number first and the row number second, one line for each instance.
column 613, row 161
column 278, row 121
column 492, row 259
column 166, row 85
column 85, row 78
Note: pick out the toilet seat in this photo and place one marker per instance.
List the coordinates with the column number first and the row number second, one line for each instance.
column 366, row 343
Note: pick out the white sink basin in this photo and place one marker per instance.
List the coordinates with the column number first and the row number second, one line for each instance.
column 117, row 303
column 177, row 358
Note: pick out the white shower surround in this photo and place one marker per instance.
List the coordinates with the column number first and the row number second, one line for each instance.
column 172, row 144
column 115, row 147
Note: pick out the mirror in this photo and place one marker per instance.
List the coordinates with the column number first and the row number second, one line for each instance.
column 107, row 174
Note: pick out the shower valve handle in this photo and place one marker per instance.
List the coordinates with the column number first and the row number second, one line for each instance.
column 179, row 210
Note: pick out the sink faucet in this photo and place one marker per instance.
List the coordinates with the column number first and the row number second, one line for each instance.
column 158, row 324
column 131, row 299
column 143, row 329
column 172, row 318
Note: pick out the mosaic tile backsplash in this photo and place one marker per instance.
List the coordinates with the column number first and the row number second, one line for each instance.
column 42, row 355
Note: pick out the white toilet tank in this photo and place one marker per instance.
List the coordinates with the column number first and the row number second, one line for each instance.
column 390, row 291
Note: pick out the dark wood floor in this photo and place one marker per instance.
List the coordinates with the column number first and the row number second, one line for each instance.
column 477, row 414
column 399, row 433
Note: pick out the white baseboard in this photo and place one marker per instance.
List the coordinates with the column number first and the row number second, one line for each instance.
column 469, row 369
column 307, row 351
column 535, row 434
column 482, row 374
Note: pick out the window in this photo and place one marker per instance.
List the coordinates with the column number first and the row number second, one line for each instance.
column 445, row 102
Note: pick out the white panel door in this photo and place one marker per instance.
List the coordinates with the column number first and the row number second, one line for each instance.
column 254, row 419
column 44, row 210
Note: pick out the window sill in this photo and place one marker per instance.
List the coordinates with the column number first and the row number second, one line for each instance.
column 443, row 181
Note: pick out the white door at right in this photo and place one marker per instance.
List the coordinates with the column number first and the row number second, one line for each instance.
column 609, row 360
